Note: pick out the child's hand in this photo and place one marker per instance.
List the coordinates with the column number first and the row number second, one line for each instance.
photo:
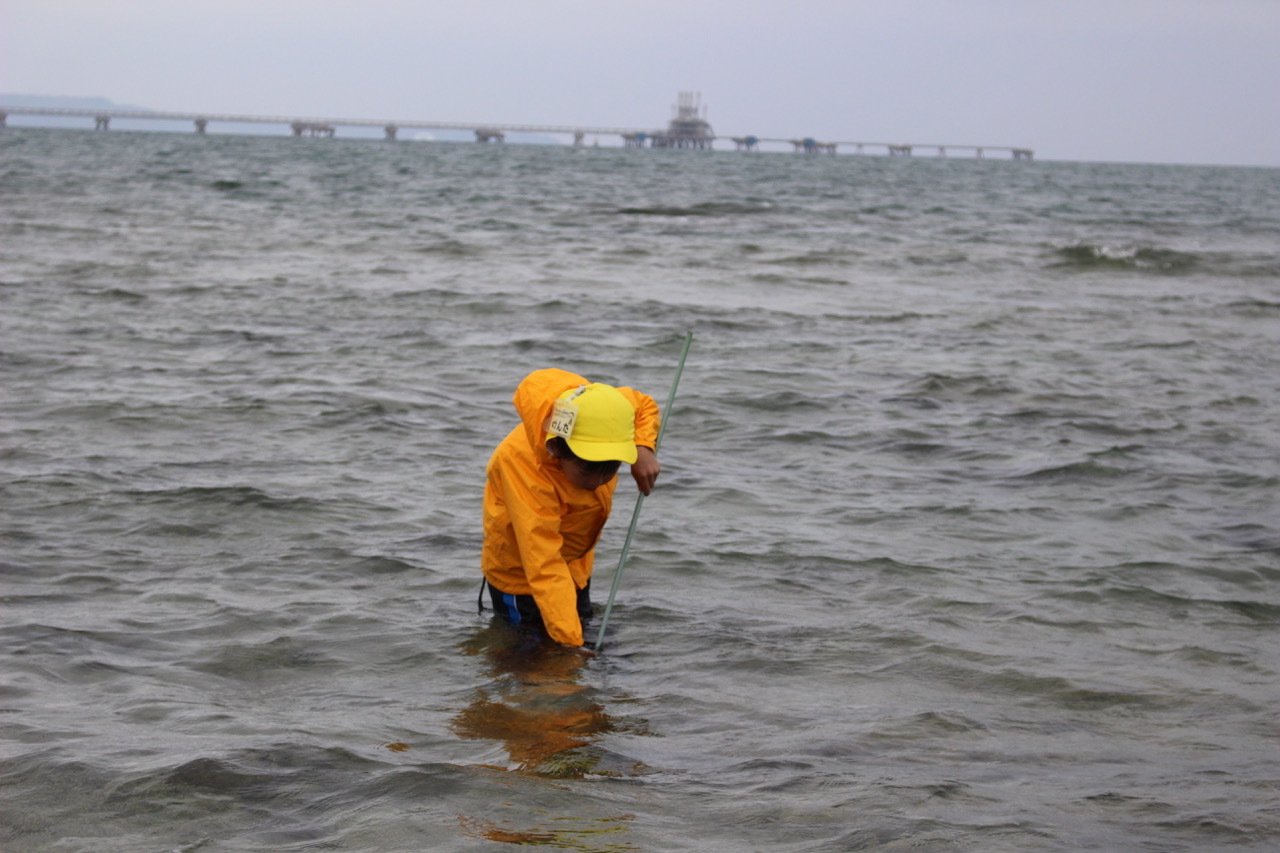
column 645, row 469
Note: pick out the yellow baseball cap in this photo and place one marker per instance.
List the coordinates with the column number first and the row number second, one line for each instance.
column 597, row 422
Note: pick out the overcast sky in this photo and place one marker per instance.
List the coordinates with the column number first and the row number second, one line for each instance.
column 1170, row 81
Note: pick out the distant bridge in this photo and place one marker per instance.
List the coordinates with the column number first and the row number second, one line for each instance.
column 497, row 131
column 810, row 145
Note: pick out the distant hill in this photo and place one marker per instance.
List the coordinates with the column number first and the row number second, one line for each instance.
column 155, row 125
column 60, row 102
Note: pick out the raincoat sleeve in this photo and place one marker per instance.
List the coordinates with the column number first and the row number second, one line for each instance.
column 647, row 417
column 534, row 511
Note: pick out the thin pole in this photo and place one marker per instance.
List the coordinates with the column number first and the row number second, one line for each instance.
column 635, row 514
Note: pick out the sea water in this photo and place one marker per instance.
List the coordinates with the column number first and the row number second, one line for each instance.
column 967, row 535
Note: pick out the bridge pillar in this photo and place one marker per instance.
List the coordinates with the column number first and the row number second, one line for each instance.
column 390, row 131
column 484, row 134
column 899, row 150
column 1023, row 154
column 3, row 118
column 201, row 124
column 809, row 145
column 577, row 138
column 101, row 122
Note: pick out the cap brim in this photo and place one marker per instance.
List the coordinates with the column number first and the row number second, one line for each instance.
column 604, row 451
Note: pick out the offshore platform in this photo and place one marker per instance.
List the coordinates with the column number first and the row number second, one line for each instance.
column 688, row 127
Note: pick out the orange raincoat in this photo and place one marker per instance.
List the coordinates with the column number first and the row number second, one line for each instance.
column 540, row 530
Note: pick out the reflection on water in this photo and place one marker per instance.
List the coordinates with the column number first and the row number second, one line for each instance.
column 564, row 833
column 535, row 704
column 533, row 701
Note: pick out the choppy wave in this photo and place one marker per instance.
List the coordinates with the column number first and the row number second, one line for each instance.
column 1139, row 258
column 706, row 208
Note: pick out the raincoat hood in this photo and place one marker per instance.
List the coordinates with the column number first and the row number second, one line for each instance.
column 535, row 399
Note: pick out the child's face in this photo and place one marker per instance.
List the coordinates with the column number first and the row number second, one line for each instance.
column 582, row 477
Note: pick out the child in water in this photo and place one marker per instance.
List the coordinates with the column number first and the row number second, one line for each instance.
column 549, row 491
